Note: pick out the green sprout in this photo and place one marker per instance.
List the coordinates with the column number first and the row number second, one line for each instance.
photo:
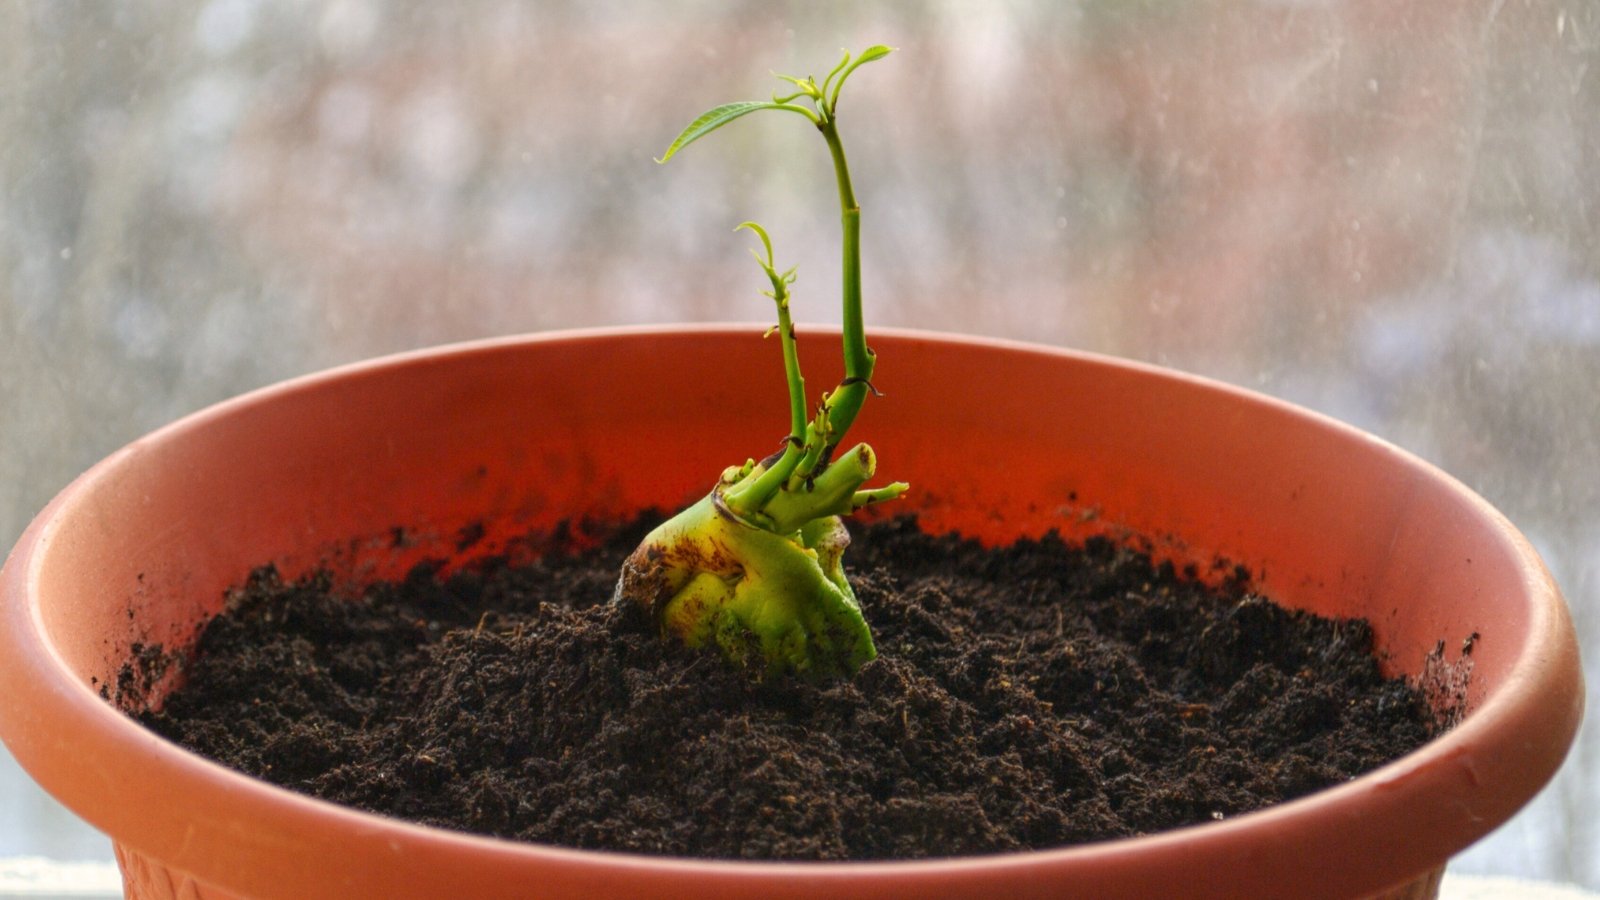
column 755, row 566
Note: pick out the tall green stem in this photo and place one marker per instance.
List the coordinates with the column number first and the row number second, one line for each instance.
column 846, row 402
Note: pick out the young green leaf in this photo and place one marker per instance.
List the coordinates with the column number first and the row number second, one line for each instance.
column 876, row 51
column 807, row 86
column 715, row 118
column 843, row 61
column 769, row 264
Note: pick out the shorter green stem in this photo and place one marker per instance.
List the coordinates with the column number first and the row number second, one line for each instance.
column 748, row 498
column 878, row 495
column 829, row 494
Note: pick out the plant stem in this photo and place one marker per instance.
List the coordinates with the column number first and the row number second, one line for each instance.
column 846, row 402
column 749, row 497
column 833, row 493
column 797, row 382
column 796, row 468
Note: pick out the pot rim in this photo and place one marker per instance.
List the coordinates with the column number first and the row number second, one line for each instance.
column 1542, row 696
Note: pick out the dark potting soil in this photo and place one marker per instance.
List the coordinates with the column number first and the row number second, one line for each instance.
column 1025, row 697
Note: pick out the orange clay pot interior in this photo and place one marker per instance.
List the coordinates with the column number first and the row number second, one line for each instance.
column 997, row 440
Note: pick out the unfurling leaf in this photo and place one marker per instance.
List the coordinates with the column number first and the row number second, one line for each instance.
column 876, row 51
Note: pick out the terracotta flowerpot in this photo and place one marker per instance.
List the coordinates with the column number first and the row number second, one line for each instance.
column 519, row 434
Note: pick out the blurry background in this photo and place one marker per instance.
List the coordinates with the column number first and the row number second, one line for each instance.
column 1387, row 210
